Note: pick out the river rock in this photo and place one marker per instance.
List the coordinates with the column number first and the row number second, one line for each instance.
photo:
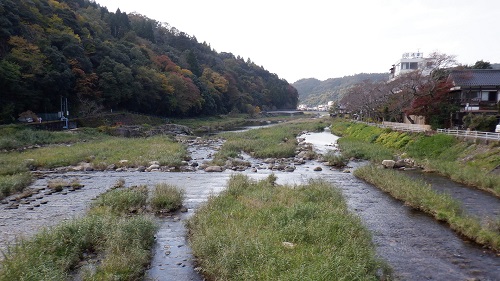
column 83, row 166
column 153, row 167
column 318, row 169
column 400, row 164
column 388, row 164
column 211, row 169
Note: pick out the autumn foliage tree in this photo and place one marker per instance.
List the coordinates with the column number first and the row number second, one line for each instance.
column 422, row 92
column 100, row 60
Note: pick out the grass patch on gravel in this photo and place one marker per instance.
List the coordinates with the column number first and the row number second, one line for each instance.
column 166, row 197
column 15, row 165
column 260, row 231
column 109, row 231
column 277, row 141
column 117, row 234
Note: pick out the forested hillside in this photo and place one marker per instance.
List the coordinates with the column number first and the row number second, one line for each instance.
column 314, row 92
column 101, row 60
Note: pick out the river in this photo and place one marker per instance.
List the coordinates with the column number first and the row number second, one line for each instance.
column 414, row 244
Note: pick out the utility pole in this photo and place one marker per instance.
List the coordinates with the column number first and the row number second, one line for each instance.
column 64, row 111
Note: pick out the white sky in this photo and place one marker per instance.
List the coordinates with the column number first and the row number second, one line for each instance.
column 331, row 38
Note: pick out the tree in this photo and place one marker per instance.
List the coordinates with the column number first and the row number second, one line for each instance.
column 419, row 89
column 480, row 64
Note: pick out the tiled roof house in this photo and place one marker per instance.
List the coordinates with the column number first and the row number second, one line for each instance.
column 476, row 90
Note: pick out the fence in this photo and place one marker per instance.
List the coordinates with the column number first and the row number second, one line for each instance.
column 471, row 134
column 425, row 128
column 416, row 128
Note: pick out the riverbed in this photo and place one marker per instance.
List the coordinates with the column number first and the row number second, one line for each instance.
column 414, row 244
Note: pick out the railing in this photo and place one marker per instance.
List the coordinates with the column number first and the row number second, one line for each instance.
column 422, row 128
column 415, row 128
column 470, row 134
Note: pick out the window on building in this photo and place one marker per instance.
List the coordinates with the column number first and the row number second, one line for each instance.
column 488, row 96
column 472, row 95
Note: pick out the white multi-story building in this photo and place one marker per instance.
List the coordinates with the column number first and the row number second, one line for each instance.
column 408, row 62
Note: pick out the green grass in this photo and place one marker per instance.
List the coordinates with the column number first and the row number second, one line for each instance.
column 228, row 122
column 123, row 243
column 277, row 141
column 122, row 201
column 14, row 183
column 12, row 137
column 354, row 148
column 335, row 159
column 116, row 230
column 260, row 231
column 421, row 196
column 212, row 123
column 100, row 153
column 166, row 198
column 462, row 161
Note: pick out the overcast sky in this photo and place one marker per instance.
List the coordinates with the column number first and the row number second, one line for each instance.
column 330, row 38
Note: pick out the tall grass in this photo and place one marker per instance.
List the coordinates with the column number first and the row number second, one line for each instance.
column 122, row 201
column 12, row 137
column 100, row 153
column 13, row 183
column 421, row 196
column 277, row 141
column 166, row 197
column 260, row 231
column 354, row 148
column 108, row 231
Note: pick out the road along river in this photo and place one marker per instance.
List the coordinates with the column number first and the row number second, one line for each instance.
column 414, row 244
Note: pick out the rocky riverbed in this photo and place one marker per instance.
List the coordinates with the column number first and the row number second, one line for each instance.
column 415, row 245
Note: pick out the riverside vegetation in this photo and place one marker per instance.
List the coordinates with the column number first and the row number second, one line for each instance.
column 279, row 141
column 115, row 236
column 471, row 164
column 71, row 148
column 257, row 230
column 24, row 149
column 258, row 205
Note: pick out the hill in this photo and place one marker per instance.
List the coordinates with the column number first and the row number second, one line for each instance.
column 314, row 92
column 53, row 50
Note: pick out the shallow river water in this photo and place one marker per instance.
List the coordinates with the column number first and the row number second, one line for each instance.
column 415, row 245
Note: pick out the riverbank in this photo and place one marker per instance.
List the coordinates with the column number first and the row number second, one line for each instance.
column 417, row 246
column 374, row 144
column 467, row 162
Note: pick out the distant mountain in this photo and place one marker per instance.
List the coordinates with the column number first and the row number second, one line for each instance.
column 314, row 92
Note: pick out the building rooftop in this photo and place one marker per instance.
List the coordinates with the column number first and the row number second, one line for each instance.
column 475, row 77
